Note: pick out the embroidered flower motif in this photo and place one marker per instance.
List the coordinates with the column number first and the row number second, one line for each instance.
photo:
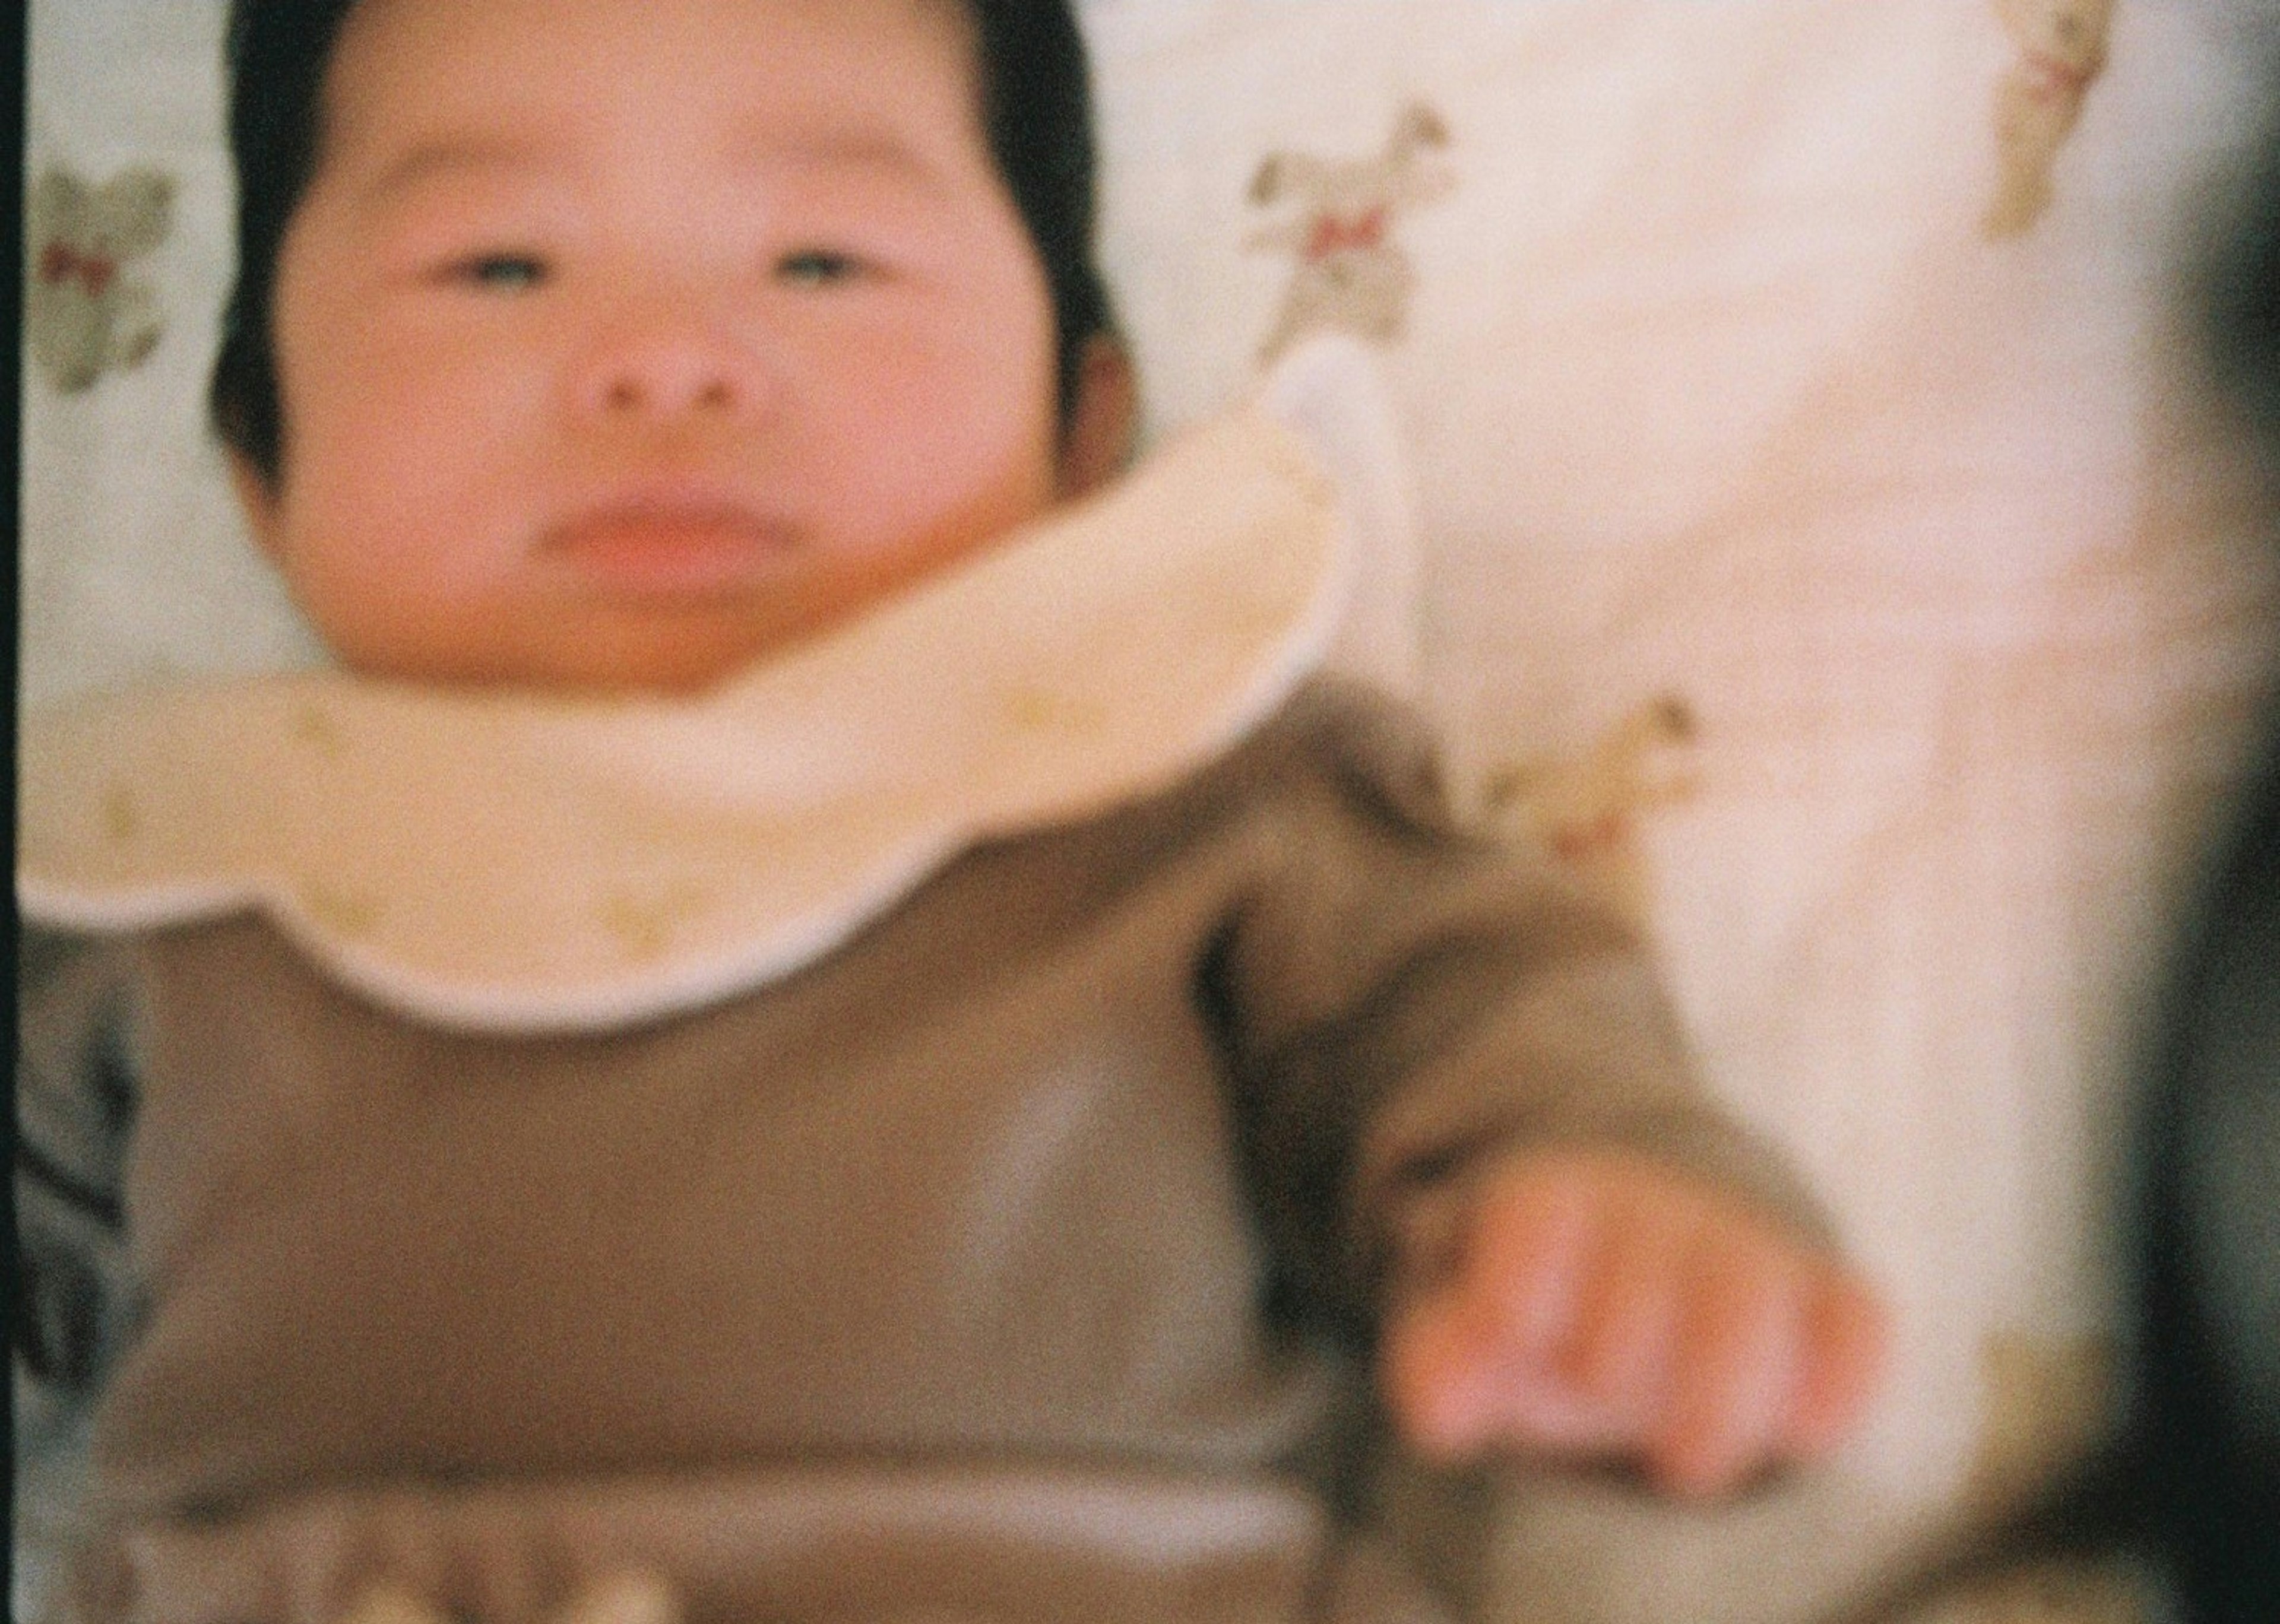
column 122, row 819
column 644, row 920
column 1350, row 274
column 1588, row 808
column 315, row 727
column 1044, row 710
column 354, row 914
column 83, row 314
column 2062, row 52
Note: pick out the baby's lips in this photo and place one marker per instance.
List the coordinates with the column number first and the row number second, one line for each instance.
column 671, row 546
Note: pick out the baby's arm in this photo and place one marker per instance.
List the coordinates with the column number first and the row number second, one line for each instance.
column 1604, row 1304
column 1476, row 1142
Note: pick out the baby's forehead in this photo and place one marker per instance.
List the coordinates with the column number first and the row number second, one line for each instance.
column 852, row 159
column 863, row 90
column 835, row 76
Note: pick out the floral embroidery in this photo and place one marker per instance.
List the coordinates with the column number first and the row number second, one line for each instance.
column 351, row 913
column 1588, row 808
column 2062, row 52
column 315, row 727
column 83, row 314
column 1042, row 709
column 121, row 820
column 1350, row 274
column 644, row 921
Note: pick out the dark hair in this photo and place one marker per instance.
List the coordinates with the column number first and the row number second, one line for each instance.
column 1036, row 110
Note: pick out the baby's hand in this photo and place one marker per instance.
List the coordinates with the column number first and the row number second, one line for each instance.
column 1605, row 1304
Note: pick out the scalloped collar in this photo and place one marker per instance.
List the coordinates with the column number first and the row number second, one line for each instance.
column 514, row 862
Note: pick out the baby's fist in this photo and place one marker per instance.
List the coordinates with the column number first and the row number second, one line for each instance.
column 1605, row 1304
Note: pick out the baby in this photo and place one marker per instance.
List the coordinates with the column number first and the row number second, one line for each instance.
column 1055, row 1230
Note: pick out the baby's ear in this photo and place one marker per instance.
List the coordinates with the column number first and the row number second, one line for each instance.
column 1097, row 440
column 257, row 497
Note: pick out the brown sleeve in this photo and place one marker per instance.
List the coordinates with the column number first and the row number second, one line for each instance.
column 1406, row 1003
column 76, row 1292
column 75, row 1098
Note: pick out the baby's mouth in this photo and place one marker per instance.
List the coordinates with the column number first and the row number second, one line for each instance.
column 670, row 549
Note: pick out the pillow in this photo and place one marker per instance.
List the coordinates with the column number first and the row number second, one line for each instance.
column 1830, row 546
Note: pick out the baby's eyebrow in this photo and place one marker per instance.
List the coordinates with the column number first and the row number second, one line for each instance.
column 445, row 158
column 869, row 151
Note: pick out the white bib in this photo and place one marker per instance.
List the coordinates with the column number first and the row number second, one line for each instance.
column 522, row 862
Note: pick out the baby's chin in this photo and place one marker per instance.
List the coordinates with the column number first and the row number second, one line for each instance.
column 598, row 633
column 668, row 653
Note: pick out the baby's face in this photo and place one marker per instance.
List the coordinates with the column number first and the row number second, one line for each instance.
column 621, row 341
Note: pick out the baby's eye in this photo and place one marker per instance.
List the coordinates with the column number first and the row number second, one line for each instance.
column 505, row 272
column 819, row 267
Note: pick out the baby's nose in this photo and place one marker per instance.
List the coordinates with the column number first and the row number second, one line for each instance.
column 667, row 362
